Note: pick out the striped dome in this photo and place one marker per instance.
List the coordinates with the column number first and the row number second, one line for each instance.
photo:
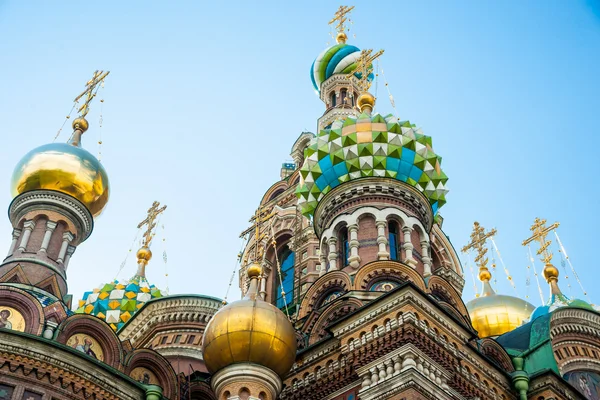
column 338, row 59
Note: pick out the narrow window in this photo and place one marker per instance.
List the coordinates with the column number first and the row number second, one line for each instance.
column 286, row 259
column 393, row 239
column 345, row 246
column 190, row 339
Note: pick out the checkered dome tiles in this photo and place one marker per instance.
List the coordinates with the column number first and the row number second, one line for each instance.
column 116, row 302
column 370, row 146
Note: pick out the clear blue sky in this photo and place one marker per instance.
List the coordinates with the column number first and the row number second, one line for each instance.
column 205, row 99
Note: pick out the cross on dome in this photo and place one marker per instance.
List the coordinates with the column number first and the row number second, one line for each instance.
column 153, row 212
column 90, row 91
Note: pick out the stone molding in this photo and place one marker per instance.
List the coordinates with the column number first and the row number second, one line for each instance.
column 180, row 308
column 375, row 190
column 67, row 369
column 554, row 383
column 48, row 200
column 244, row 375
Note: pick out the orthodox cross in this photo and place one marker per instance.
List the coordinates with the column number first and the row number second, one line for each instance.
column 153, row 212
column 90, row 91
column 364, row 67
column 478, row 239
column 340, row 17
column 258, row 220
column 540, row 231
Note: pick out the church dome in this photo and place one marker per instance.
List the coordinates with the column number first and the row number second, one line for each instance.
column 337, row 59
column 366, row 146
column 65, row 168
column 557, row 301
column 250, row 331
column 117, row 301
column 496, row 314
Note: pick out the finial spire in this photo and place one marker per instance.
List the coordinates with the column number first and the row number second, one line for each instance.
column 80, row 124
column 478, row 240
column 364, row 67
column 258, row 220
column 340, row 18
column 540, row 231
column 144, row 254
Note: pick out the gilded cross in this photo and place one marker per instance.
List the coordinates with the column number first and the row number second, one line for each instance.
column 478, row 238
column 90, row 91
column 340, row 17
column 364, row 67
column 540, row 231
column 258, row 220
column 153, row 212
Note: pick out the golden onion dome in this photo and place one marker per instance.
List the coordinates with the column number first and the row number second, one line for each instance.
column 495, row 314
column 250, row 331
column 65, row 168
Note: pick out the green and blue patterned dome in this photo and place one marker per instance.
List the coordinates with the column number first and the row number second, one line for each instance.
column 338, row 59
column 559, row 300
column 117, row 301
column 367, row 146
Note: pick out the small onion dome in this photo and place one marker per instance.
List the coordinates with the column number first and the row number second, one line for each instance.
column 557, row 298
column 366, row 146
column 337, row 59
column 118, row 301
column 250, row 331
column 65, row 168
column 495, row 314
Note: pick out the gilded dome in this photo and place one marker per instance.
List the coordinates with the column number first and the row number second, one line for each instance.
column 496, row 314
column 64, row 168
column 250, row 331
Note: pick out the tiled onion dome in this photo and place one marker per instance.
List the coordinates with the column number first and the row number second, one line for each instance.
column 368, row 146
column 116, row 302
column 338, row 59
column 557, row 301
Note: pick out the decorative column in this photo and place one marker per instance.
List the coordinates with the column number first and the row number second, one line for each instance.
column 49, row 329
column 408, row 246
column 70, row 251
column 323, row 260
column 67, row 238
column 354, row 259
column 425, row 257
column 27, row 229
column 266, row 271
column 15, row 237
column 50, row 226
column 382, row 241
column 332, row 254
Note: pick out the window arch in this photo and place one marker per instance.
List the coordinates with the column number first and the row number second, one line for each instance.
column 287, row 260
column 344, row 96
column 393, row 240
column 332, row 99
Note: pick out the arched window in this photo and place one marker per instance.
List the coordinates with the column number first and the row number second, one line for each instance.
column 393, row 239
column 332, row 99
column 286, row 258
column 344, row 96
column 344, row 246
